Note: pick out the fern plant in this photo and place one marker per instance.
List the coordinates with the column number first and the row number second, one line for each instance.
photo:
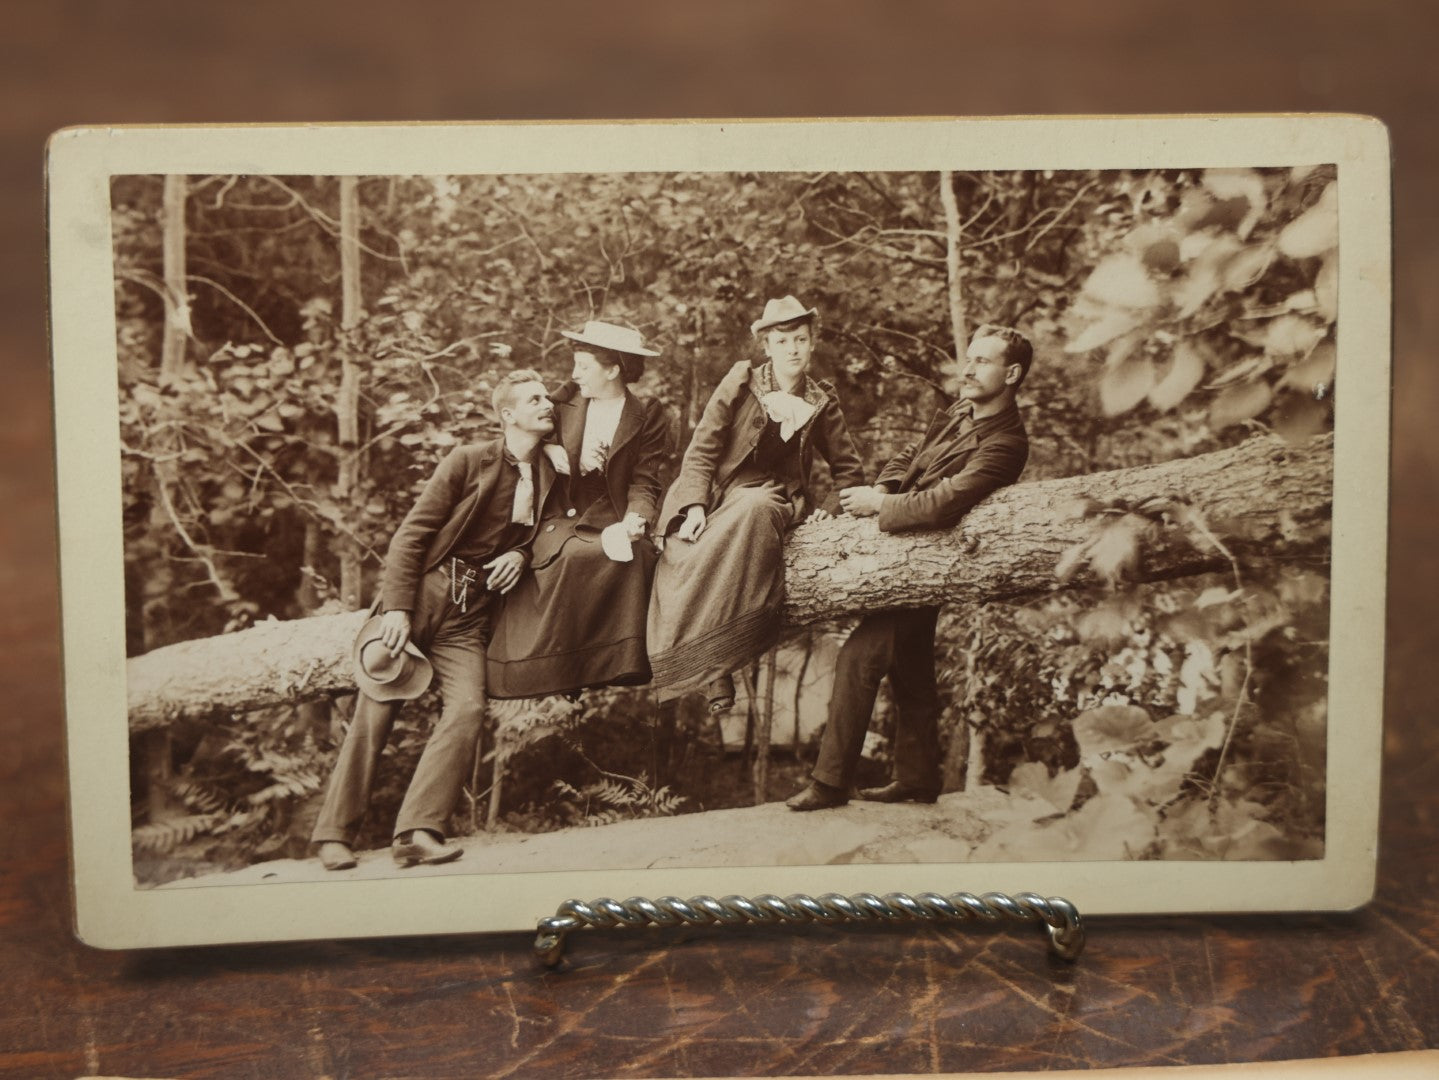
column 234, row 799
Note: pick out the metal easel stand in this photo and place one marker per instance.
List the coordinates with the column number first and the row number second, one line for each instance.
column 1060, row 917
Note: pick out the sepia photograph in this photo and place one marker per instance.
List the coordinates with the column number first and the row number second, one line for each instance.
column 506, row 523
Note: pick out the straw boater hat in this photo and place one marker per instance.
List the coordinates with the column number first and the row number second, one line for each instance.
column 605, row 335
column 382, row 676
column 777, row 312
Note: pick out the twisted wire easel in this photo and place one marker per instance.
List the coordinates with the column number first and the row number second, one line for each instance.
column 1059, row 917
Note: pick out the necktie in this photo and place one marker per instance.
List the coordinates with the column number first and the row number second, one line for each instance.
column 524, row 508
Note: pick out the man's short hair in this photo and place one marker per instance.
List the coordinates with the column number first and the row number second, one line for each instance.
column 1017, row 347
column 503, row 396
column 631, row 366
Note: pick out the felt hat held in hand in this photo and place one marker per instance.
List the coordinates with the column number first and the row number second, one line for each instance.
column 382, row 676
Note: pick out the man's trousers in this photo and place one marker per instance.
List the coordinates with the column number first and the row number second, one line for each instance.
column 898, row 644
column 453, row 636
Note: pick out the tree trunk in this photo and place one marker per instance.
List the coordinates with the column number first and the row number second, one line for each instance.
column 794, row 739
column 497, row 783
column 1262, row 497
column 347, row 403
column 952, row 263
column 177, row 301
column 174, row 338
column 974, row 770
column 663, row 743
column 763, row 729
column 956, row 759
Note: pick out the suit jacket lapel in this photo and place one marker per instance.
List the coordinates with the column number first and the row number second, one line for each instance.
column 486, row 472
column 941, row 417
column 630, row 417
column 944, row 462
column 572, row 430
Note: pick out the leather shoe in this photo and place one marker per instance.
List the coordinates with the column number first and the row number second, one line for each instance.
column 817, row 796
column 719, row 695
column 897, row 791
column 335, row 855
column 422, row 846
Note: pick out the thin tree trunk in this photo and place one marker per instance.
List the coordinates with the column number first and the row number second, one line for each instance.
column 177, row 302
column 157, row 757
column 956, row 761
column 475, row 774
column 497, row 781
column 954, row 270
column 347, row 404
column 316, row 716
column 664, row 739
column 799, row 684
column 746, row 676
column 974, row 770
column 176, row 335
column 763, row 730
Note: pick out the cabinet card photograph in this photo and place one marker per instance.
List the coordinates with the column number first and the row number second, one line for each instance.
column 460, row 519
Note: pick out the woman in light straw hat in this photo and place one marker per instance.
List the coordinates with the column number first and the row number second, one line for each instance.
column 744, row 483
column 578, row 619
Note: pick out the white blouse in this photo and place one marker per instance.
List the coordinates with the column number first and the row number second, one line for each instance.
column 602, row 418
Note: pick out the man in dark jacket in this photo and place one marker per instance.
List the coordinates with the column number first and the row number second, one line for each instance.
column 463, row 542
column 975, row 446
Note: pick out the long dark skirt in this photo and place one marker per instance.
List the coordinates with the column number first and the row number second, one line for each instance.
column 716, row 601
column 575, row 623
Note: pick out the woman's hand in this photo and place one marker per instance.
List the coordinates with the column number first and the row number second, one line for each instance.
column 694, row 524
column 635, row 525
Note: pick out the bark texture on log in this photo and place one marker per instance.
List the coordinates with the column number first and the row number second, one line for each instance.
column 272, row 663
column 1261, row 493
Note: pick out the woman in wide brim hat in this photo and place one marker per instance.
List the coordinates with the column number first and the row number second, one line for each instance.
column 743, row 485
column 578, row 619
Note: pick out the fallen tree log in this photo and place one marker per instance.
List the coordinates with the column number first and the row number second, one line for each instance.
column 1259, row 495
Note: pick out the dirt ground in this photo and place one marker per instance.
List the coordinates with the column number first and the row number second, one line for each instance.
column 949, row 831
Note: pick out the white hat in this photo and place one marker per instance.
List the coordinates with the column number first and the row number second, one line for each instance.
column 777, row 312
column 605, row 335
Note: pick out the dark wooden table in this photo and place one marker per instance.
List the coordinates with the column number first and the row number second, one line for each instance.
column 1172, row 990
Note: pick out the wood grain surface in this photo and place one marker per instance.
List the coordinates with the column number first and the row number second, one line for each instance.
column 759, row 1001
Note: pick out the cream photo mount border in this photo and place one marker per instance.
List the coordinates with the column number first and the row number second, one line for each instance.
column 112, row 913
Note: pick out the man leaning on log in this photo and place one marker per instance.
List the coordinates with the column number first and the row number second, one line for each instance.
column 463, row 543
column 972, row 448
